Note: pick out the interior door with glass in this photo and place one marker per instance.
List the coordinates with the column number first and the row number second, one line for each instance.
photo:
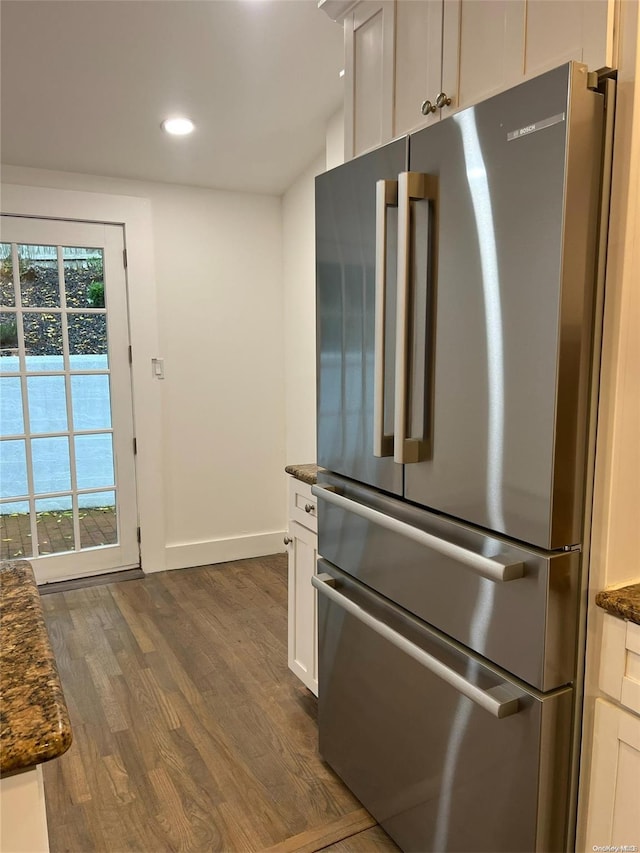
column 67, row 474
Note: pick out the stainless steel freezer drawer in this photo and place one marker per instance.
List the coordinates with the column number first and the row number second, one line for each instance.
column 440, row 771
column 441, row 571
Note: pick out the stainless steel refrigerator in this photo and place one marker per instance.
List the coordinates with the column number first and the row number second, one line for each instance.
column 457, row 326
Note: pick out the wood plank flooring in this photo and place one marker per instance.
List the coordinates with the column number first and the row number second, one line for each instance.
column 190, row 732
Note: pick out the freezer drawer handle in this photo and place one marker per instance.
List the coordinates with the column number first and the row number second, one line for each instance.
column 501, row 701
column 386, row 196
column 497, row 568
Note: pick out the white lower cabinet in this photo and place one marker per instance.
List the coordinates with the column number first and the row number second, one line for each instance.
column 613, row 820
column 302, row 544
column 23, row 814
column 620, row 662
column 613, row 811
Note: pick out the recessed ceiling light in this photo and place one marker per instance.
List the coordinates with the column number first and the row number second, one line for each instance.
column 178, row 126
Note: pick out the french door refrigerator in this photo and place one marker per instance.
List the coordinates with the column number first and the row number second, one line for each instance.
column 456, row 339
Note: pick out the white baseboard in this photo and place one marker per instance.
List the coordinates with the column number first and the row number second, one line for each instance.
column 185, row 555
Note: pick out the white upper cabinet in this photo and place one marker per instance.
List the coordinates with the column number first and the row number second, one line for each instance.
column 453, row 53
column 559, row 30
column 483, row 49
column 369, row 59
column 412, row 62
column 418, row 64
column 491, row 45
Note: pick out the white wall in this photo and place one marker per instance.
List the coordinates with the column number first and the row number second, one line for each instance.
column 298, row 241
column 299, row 276
column 335, row 140
column 218, row 262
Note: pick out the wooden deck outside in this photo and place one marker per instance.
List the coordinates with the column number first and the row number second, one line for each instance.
column 55, row 532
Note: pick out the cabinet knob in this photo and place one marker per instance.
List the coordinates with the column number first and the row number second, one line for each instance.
column 287, row 540
column 309, row 507
column 442, row 101
column 427, row 107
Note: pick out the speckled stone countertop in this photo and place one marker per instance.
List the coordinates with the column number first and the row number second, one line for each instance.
column 306, row 473
column 34, row 721
column 623, row 602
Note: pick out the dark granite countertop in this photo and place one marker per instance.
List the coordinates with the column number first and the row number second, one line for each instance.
column 307, row 473
column 34, row 721
column 623, row 602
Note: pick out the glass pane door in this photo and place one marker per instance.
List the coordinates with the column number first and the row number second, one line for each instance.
column 67, row 490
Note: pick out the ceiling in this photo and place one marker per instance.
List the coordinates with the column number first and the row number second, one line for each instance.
column 86, row 84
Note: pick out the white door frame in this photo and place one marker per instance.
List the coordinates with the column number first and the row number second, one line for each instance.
column 79, row 560
column 134, row 214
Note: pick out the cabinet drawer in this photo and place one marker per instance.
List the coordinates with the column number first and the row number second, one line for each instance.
column 303, row 506
column 620, row 661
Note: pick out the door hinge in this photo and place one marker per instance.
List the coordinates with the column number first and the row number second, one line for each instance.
column 596, row 80
column 135, row 446
column 124, row 258
column 130, row 356
column 138, row 535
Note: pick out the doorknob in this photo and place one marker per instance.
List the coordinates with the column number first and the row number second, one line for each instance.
column 442, row 100
column 427, row 107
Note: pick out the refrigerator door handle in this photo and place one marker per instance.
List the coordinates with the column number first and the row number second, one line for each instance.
column 386, row 196
column 412, row 186
column 500, row 701
column 498, row 568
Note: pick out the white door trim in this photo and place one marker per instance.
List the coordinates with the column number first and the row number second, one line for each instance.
column 134, row 214
column 79, row 560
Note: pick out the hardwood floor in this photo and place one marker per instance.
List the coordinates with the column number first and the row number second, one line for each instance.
column 190, row 732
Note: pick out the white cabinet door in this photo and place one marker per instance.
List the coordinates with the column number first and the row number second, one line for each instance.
column 614, row 798
column 418, row 65
column 369, row 60
column 558, row 31
column 465, row 49
column 400, row 54
column 23, row 813
column 303, row 624
column 492, row 45
column 483, row 49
